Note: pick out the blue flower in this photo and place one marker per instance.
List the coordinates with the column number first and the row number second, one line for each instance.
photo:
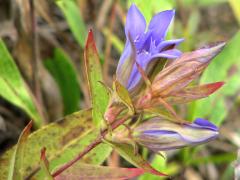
column 150, row 45
column 159, row 135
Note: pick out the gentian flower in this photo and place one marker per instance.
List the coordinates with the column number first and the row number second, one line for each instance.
column 150, row 45
column 159, row 134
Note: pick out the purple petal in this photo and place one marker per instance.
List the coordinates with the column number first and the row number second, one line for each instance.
column 167, row 44
column 126, row 63
column 160, row 134
column 143, row 42
column 159, row 24
column 144, row 59
column 157, row 132
column 135, row 75
column 205, row 124
column 125, row 55
column 171, row 54
column 135, row 22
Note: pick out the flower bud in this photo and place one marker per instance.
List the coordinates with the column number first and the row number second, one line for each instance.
column 171, row 84
column 159, row 134
column 183, row 70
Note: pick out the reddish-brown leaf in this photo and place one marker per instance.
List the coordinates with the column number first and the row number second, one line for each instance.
column 86, row 171
column 192, row 93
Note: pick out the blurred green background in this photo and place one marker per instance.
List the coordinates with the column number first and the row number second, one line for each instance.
column 59, row 85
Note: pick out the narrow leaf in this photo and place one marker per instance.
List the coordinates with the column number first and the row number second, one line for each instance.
column 235, row 5
column 192, row 93
column 98, row 93
column 15, row 170
column 127, row 152
column 65, row 75
column 13, row 87
column 45, row 165
column 117, row 43
column 86, row 171
column 161, row 164
column 74, row 19
column 123, row 95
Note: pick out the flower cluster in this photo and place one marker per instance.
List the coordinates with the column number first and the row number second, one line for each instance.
column 157, row 76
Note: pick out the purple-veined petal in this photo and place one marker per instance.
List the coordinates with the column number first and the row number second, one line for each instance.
column 144, row 59
column 159, row 134
column 171, row 54
column 143, row 41
column 135, row 22
column 167, row 44
column 135, row 75
column 159, row 24
column 205, row 124
column 124, row 57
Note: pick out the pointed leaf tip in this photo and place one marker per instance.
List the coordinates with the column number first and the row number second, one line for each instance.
column 45, row 164
column 90, row 39
column 212, row 51
column 18, row 154
column 43, row 153
column 27, row 129
column 218, row 47
column 214, row 87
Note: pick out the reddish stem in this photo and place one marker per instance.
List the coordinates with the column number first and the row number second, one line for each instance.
column 91, row 146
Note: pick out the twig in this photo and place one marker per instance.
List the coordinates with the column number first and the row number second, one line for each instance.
column 91, row 146
column 35, row 63
column 107, row 52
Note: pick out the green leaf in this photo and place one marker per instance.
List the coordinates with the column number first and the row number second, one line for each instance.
column 202, row 2
column 224, row 67
column 128, row 153
column 216, row 159
column 191, row 30
column 86, row 171
column 161, row 165
column 74, row 19
column 123, row 95
column 117, row 43
column 64, row 73
column 98, row 94
column 64, row 140
column 235, row 5
column 15, row 170
column 13, row 87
